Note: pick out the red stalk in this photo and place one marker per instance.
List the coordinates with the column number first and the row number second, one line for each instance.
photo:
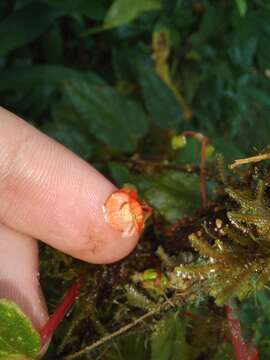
column 55, row 319
column 204, row 141
column 240, row 347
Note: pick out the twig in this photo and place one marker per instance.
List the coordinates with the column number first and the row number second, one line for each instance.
column 252, row 159
column 159, row 165
column 122, row 330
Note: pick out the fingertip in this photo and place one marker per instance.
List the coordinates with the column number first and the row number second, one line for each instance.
column 109, row 249
column 49, row 193
column 101, row 243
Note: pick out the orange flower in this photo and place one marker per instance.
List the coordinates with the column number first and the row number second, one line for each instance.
column 125, row 212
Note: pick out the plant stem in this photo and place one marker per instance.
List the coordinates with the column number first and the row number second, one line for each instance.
column 252, row 159
column 202, row 173
column 239, row 345
column 120, row 331
column 55, row 319
column 204, row 141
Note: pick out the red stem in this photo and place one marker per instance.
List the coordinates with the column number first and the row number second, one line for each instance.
column 204, row 141
column 240, row 347
column 55, row 319
column 202, row 173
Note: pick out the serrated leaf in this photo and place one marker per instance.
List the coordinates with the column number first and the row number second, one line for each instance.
column 168, row 340
column 25, row 25
column 161, row 103
column 111, row 118
column 66, row 128
column 124, row 11
column 173, row 194
column 18, row 338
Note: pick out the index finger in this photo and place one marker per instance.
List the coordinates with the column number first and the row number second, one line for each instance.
column 49, row 193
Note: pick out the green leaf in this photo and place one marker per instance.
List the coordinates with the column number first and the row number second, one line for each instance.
column 173, row 194
column 224, row 352
column 29, row 77
column 190, row 153
column 129, row 347
column 211, row 24
column 91, row 8
column 110, row 117
column 120, row 174
column 67, row 129
column 242, row 6
column 264, row 301
column 161, row 103
column 25, row 25
column 18, row 338
column 124, row 11
column 168, row 341
column 258, row 96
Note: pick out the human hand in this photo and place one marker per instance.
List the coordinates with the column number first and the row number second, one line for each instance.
column 48, row 193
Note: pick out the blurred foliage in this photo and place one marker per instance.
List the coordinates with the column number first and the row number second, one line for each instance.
column 115, row 81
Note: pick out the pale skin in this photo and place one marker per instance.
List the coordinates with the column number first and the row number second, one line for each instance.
column 50, row 194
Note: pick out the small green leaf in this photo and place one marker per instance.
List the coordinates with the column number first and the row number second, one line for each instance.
column 138, row 299
column 18, row 338
column 124, row 11
column 168, row 341
column 173, row 194
column 110, row 117
column 242, row 6
column 25, row 25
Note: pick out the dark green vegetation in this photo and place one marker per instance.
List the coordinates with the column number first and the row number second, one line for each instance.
column 114, row 81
